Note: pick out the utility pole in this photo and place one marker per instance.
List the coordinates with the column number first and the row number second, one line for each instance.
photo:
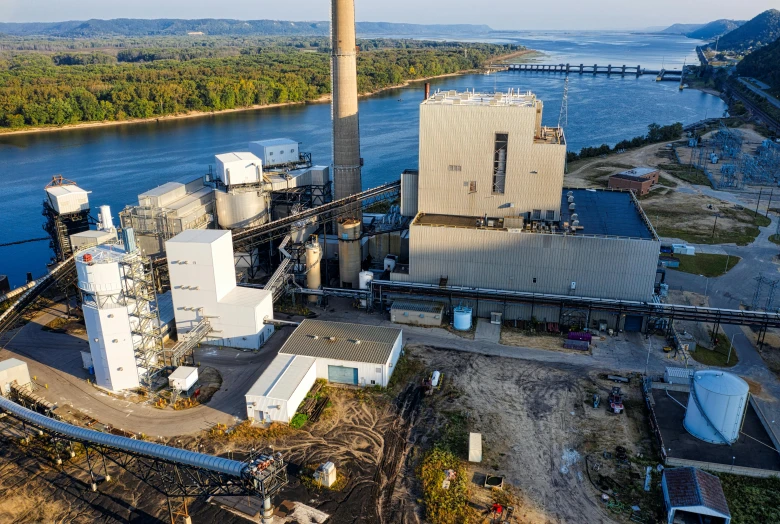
column 771, row 190
column 759, row 200
column 715, row 224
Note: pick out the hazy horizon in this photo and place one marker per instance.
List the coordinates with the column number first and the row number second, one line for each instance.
column 567, row 15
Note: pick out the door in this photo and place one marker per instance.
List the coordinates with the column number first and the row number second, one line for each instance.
column 342, row 375
column 633, row 323
column 258, row 415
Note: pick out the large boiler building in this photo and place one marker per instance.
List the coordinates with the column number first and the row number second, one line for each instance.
column 490, row 210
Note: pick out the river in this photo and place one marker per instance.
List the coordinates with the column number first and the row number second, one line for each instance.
column 116, row 163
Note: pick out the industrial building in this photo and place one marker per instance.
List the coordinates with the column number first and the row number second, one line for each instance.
column 639, row 180
column 121, row 315
column 352, row 354
column 490, row 211
column 66, row 209
column 207, row 300
column 167, row 210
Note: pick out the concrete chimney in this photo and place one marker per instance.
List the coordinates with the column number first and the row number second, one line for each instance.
column 346, row 131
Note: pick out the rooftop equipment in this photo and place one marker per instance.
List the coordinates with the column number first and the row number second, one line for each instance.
column 716, row 406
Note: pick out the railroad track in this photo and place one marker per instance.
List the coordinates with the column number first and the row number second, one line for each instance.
column 768, row 120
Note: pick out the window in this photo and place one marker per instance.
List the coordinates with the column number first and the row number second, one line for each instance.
column 473, row 186
column 550, row 215
column 281, row 152
column 378, row 370
column 292, row 150
column 536, row 215
column 499, row 163
column 270, row 153
column 454, row 168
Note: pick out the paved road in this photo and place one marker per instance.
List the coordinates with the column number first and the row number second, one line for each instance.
column 55, row 360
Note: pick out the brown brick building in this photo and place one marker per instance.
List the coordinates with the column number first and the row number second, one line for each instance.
column 639, row 180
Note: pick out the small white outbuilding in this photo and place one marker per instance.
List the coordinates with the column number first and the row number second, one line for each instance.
column 13, row 370
column 183, row 378
column 281, row 388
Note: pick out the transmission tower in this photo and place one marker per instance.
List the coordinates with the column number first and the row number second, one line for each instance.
column 563, row 117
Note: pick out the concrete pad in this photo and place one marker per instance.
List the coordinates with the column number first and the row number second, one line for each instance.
column 475, row 447
column 487, row 331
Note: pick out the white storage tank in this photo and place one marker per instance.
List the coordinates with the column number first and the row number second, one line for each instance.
column 236, row 210
column 461, row 318
column 723, row 399
column 313, row 273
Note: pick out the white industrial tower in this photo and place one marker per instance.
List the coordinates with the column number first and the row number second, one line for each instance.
column 120, row 312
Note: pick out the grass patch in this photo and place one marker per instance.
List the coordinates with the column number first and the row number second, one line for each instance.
column 299, row 420
column 451, row 505
column 707, row 264
column 775, row 239
column 689, row 173
column 406, row 369
column 752, row 500
column 717, row 355
column 666, row 181
column 741, row 235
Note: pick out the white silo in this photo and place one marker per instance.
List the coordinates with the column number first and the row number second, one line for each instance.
column 716, row 406
column 313, row 274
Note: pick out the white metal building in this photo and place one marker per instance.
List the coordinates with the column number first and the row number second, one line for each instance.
column 68, row 198
column 203, row 286
column 276, row 151
column 13, row 370
column 276, row 395
column 239, row 168
column 692, row 495
column 347, row 353
column 183, row 378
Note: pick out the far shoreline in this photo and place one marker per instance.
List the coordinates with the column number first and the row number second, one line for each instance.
column 200, row 114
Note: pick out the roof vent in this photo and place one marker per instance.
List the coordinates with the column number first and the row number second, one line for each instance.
column 356, row 341
column 570, row 193
column 572, row 206
column 570, row 199
column 332, row 339
column 315, row 337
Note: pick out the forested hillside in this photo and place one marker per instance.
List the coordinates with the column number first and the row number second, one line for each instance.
column 220, row 27
column 763, row 64
column 38, row 89
column 715, row 29
column 761, row 30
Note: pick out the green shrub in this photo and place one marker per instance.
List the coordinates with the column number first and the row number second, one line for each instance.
column 299, row 420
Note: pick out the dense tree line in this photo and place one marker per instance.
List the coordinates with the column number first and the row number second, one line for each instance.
column 655, row 134
column 763, row 64
column 34, row 91
column 759, row 31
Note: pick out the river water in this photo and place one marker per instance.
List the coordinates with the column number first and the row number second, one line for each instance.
column 117, row 163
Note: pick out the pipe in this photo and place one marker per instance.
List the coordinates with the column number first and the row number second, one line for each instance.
column 140, row 447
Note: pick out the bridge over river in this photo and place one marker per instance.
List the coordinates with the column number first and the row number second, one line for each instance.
column 582, row 69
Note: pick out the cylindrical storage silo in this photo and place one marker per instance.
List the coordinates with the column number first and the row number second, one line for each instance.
column 716, row 406
column 350, row 258
column 106, row 222
column 313, row 258
column 235, row 210
column 364, row 278
column 461, row 318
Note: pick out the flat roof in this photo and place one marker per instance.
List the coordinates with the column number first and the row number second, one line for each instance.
column 94, row 233
column 471, row 98
column 104, row 253
column 639, row 171
column 632, row 178
column 183, row 372
column 241, row 156
column 200, row 236
column 606, row 213
column 418, row 305
column 756, row 452
column 274, row 142
column 11, row 363
column 342, row 341
column 66, row 189
column 291, row 368
column 602, row 213
column 245, row 296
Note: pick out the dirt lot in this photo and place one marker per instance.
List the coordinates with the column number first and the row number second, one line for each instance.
column 538, row 427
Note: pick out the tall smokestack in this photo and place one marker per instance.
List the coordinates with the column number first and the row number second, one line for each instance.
column 346, row 131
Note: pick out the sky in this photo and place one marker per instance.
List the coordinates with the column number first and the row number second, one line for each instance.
column 499, row 14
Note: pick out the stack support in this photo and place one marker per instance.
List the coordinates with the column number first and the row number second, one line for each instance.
column 313, row 258
column 346, row 130
column 349, row 252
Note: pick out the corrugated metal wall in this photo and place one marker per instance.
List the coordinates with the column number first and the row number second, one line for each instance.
column 409, row 182
column 615, row 268
column 464, row 137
